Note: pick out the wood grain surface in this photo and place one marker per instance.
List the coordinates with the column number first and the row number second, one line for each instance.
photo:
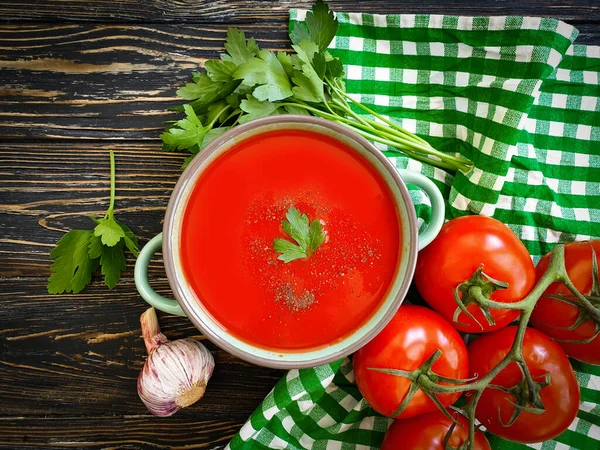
column 265, row 11
column 80, row 78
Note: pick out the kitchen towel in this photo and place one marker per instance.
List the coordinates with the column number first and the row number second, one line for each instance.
column 520, row 100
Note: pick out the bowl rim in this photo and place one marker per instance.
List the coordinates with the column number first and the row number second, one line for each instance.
column 192, row 308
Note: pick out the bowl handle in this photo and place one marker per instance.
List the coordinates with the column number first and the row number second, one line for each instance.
column 141, row 279
column 438, row 207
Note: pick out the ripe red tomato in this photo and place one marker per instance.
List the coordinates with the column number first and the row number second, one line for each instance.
column 428, row 431
column 553, row 316
column 463, row 245
column 411, row 337
column 542, row 355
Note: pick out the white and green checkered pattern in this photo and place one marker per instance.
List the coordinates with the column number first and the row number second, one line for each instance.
column 516, row 97
column 317, row 409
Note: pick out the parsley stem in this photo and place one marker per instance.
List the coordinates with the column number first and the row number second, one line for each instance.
column 392, row 134
column 379, row 116
column 111, row 205
column 329, row 107
column 341, row 95
column 406, row 134
column 406, row 140
column 406, row 143
column 212, row 122
column 343, row 104
column 398, row 141
column 392, row 140
column 232, row 114
column 417, row 156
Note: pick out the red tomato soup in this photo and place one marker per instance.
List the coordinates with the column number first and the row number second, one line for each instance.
column 234, row 214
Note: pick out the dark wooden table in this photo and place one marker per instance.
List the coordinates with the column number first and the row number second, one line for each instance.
column 77, row 79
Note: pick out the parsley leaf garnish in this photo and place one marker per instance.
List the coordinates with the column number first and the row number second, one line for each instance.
column 308, row 237
column 248, row 83
column 289, row 251
column 79, row 252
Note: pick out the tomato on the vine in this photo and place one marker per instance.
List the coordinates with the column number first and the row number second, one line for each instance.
column 412, row 336
column 463, row 246
column 428, row 431
column 554, row 316
column 496, row 407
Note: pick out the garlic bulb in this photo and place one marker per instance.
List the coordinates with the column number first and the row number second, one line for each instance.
column 176, row 372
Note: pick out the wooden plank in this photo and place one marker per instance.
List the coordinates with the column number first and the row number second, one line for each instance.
column 72, row 355
column 113, row 82
column 104, row 81
column 118, row 432
column 236, row 11
column 68, row 94
column 47, row 189
column 589, row 33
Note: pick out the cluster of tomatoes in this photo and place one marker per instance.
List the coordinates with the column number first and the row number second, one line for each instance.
column 463, row 246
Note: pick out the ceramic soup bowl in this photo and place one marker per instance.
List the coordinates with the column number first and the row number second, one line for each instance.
column 189, row 303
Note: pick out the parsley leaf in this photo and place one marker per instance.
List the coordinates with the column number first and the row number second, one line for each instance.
column 305, row 51
column 220, row 71
column 296, row 226
column 72, row 267
column 308, row 237
column 238, row 49
column 334, row 68
column 320, row 27
column 130, row 239
column 213, row 134
column 299, row 32
column 256, row 109
column 79, row 252
column 112, row 263
column 309, row 85
column 209, row 136
column 109, row 231
column 217, row 112
column 286, row 62
column 202, row 87
column 321, row 24
column 268, row 73
column 316, row 236
column 289, row 251
column 319, row 65
column 203, row 91
column 112, row 259
column 188, row 133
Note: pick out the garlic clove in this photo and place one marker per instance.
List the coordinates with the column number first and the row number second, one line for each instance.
column 175, row 374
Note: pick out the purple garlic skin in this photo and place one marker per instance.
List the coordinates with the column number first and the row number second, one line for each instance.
column 175, row 376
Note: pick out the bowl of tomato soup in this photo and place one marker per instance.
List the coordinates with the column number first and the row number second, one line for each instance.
column 289, row 241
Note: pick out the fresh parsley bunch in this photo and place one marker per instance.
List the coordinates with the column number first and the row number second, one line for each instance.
column 249, row 83
column 79, row 252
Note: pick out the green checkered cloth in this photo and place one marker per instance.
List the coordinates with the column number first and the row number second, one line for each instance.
column 516, row 97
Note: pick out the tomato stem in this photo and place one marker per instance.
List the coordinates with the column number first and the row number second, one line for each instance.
column 584, row 302
column 470, row 411
column 476, row 290
column 527, row 392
